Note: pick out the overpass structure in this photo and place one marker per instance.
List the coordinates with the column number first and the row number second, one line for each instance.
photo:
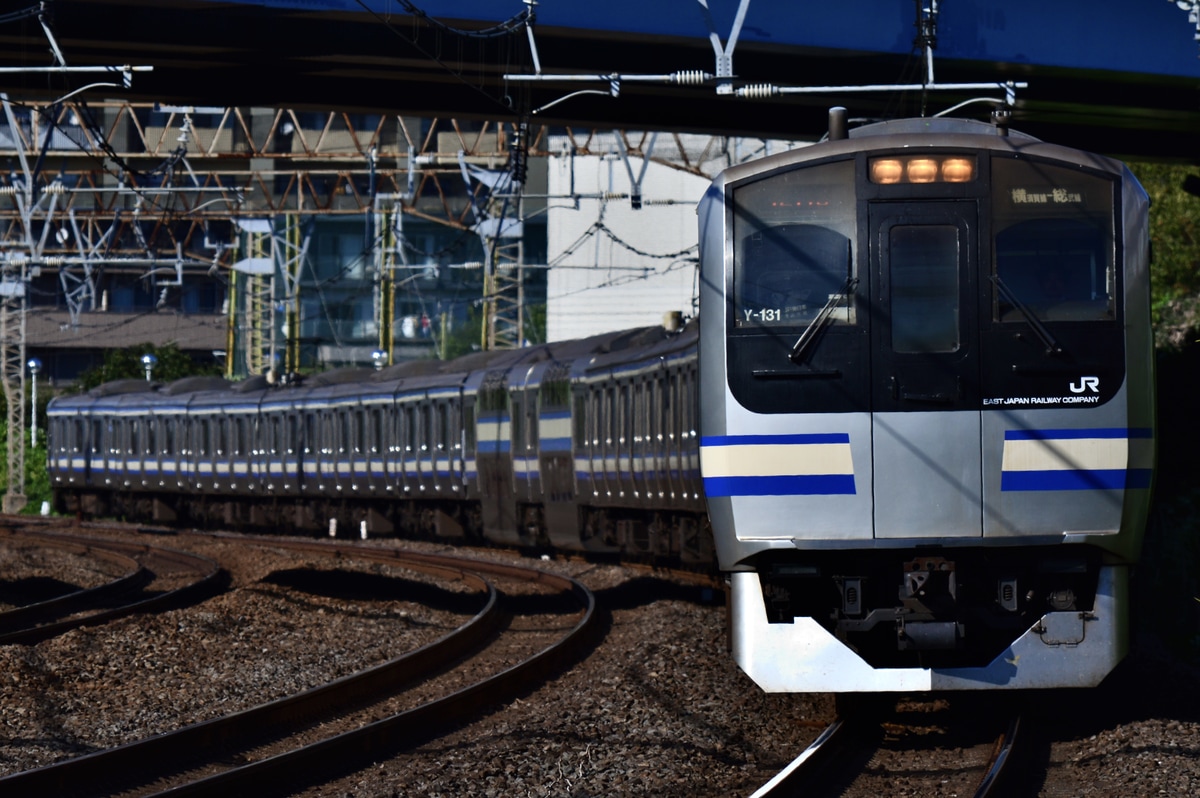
column 131, row 126
column 1114, row 76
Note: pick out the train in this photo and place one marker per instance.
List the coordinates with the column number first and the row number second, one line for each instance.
column 912, row 423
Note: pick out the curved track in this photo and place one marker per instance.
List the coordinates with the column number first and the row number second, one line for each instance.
column 183, row 575
column 828, row 764
column 266, row 728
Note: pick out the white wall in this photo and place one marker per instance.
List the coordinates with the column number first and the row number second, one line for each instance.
column 597, row 283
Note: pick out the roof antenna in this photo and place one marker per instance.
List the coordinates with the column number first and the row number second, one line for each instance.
column 837, row 123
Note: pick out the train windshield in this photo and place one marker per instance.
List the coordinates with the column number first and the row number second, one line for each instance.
column 793, row 244
column 1053, row 243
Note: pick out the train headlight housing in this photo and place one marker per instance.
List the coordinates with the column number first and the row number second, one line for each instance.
column 958, row 170
column 886, row 171
column 922, row 169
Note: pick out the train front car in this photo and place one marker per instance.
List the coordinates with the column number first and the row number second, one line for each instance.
column 927, row 433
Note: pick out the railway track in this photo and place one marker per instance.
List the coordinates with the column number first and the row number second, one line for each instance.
column 153, row 577
column 840, row 761
column 307, row 737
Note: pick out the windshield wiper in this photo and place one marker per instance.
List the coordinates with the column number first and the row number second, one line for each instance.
column 820, row 320
column 1039, row 329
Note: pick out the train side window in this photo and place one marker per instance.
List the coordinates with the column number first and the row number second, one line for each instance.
column 443, row 426
column 427, row 427
column 376, row 430
column 169, row 436
column 469, row 426
column 579, row 422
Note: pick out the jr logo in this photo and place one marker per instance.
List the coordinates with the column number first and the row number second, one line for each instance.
column 1086, row 384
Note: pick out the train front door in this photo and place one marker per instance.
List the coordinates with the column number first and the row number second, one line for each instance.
column 925, row 401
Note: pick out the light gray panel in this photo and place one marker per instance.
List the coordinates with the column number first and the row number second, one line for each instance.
column 928, row 477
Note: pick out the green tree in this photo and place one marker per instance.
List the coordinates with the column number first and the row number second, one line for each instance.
column 121, row 364
column 1175, row 239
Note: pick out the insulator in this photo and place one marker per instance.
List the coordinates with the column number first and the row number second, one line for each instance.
column 55, row 188
column 7, row 191
column 758, row 91
column 54, row 262
column 690, row 77
column 613, row 195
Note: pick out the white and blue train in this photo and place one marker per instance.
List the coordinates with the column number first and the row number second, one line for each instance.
column 914, row 423
column 585, row 445
column 927, row 408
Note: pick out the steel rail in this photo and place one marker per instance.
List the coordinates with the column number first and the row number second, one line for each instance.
column 207, row 569
column 787, row 781
column 1001, row 756
column 170, row 749
column 173, row 748
column 279, row 773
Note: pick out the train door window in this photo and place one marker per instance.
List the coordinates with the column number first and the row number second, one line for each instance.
column 1054, row 243
column 924, row 288
column 469, row 425
column 409, row 423
column 443, row 423
column 151, row 442
column 328, row 434
column 134, row 437
column 77, row 438
column 579, row 422
column 169, row 436
column 517, row 421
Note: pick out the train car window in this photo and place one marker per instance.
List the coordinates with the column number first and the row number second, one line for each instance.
column 410, row 428
column 169, row 435
column 443, row 421
column 203, row 433
column 427, row 429
column 580, row 420
column 151, row 436
column 517, row 425
column 1054, row 244
column 793, row 236
column 924, row 290
column 77, row 437
column 469, row 426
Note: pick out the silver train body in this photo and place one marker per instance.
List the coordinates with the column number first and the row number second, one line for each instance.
column 584, row 445
column 927, row 412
